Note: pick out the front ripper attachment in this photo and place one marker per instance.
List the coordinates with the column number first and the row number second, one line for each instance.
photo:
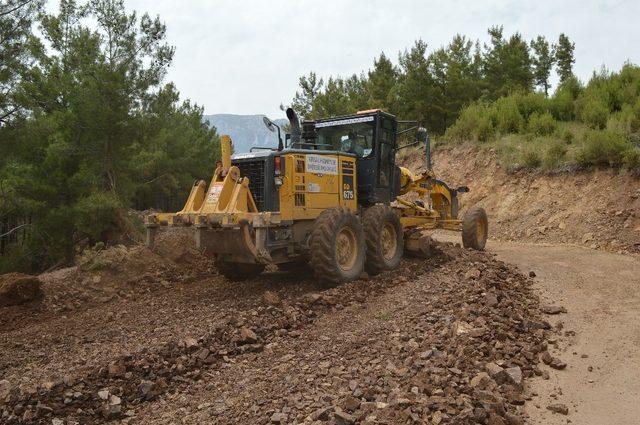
column 221, row 213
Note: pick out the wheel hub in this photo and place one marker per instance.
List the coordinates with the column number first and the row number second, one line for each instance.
column 346, row 248
column 388, row 241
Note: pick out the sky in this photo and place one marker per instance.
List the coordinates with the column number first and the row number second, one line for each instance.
column 246, row 56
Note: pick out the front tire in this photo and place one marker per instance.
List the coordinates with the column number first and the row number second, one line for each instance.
column 385, row 239
column 238, row 271
column 475, row 229
column 337, row 246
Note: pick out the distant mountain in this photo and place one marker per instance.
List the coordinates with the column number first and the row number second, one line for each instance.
column 246, row 131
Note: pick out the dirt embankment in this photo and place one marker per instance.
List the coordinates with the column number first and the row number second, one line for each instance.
column 598, row 209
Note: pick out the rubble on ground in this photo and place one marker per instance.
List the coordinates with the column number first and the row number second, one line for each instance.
column 19, row 288
column 465, row 337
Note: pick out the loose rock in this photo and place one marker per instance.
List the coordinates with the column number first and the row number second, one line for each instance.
column 247, row 336
column 559, row 408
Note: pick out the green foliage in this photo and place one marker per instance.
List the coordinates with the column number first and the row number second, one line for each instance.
column 632, row 158
column 603, row 147
column 533, row 131
column 473, row 124
column 593, row 111
column 542, row 124
column 531, row 103
column 17, row 45
column 102, row 134
column 507, row 116
column 543, row 60
column 98, row 216
column 555, row 155
column 507, row 64
column 379, row 85
column 564, row 57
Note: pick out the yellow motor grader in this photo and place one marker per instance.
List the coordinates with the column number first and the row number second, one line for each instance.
column 331, row 196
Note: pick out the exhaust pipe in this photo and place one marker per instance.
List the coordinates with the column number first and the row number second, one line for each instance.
column 295, row 126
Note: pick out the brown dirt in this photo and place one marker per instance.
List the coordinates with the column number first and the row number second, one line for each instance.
column 597, row 209
column 18, row 288
column 598, row 336
column 399, row 347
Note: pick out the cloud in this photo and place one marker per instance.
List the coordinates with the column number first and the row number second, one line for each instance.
column 245, row 57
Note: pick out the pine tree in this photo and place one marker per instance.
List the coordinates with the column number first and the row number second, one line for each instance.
column 415, row 88
column 310, row 87
column 507, row 64
column 456, row 77
column 564, row 57
column 543, row 60
column 16, row 44
column 381, row 80
column 102, row 133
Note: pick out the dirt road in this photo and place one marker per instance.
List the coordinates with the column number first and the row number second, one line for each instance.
column 601, row 332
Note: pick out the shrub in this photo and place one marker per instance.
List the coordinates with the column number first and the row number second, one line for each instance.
column 562, row 105
column 507, row 116
column 531, row 157
column 531, row 103
column 595, row 113
column 507, row 151
column 602, row 147
column 567, row 135
column 100, row 216
column 542, row 124
column 623, row 122
column 473, row 124
column 484, row 130
column 555, row 155
column 632, row 159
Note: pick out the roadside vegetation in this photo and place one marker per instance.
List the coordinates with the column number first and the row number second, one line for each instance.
column 88, row 129
column 498, row 95
column 579, row 126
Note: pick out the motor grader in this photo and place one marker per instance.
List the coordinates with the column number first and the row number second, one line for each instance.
column 331, row 197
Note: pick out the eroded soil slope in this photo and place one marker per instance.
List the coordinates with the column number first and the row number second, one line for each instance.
column 598, row 209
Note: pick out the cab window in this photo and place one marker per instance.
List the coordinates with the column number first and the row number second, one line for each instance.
column 355, row 138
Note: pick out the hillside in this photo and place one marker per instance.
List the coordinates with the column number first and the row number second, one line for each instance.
column 245, row 130
column 598, row 208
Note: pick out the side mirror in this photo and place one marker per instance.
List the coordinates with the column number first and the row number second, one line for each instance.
column 269, row 124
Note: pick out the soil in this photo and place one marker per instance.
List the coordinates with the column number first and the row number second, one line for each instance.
column 598, row 336
column 402, row 346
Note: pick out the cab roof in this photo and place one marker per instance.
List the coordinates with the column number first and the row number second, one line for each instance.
column 360, row 114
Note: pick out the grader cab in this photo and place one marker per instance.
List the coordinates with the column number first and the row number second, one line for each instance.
column 331, row 197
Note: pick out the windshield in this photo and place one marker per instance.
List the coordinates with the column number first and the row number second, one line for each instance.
column 351, row 138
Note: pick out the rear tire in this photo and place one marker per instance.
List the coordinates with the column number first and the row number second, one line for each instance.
column 238, row 271
column 385, row 239
column 475, row 229
column 337, row 246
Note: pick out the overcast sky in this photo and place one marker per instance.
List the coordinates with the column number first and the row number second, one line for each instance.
column 245, row 57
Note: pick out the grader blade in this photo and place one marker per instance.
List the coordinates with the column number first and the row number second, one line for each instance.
column 418, row 243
